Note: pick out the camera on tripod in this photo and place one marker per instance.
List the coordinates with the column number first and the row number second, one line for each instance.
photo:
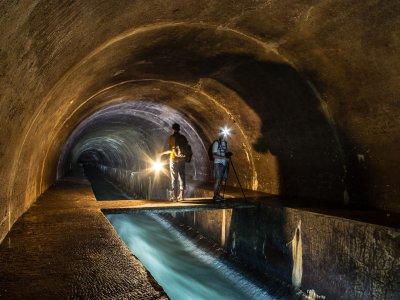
column 228, row 154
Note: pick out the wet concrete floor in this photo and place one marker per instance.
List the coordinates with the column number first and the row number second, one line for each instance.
column 64, row 248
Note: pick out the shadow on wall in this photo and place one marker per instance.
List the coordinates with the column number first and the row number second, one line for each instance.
column 294, row 129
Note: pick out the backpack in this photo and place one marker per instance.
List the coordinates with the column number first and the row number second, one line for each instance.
column 182, row 148
column 189, row 154
column 210, row 152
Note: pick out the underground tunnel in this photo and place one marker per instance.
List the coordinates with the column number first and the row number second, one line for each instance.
column 309, row 90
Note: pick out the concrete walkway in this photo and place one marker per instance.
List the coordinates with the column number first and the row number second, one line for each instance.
column 64, row 248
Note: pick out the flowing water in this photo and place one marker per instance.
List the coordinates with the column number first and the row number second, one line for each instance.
column 184, row 270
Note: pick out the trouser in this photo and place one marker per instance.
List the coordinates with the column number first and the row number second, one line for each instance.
column 221, row 171
column 221, row 175
column 177, row 169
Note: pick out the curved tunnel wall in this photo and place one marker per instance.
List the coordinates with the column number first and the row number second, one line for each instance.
column 311, row 89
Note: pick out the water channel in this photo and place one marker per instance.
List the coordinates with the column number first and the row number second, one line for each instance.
column 182, row 268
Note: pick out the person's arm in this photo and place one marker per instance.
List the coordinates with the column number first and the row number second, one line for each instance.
column 228, row 154
column 216, row 152
column 165, row 152
column 219, row 156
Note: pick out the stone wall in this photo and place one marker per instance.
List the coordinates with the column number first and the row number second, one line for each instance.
column 338, row 258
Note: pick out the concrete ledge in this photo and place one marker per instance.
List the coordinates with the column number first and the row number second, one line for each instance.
column 338, row 257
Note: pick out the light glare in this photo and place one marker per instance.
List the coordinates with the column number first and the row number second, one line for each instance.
column 157, row 166
column 226, row 131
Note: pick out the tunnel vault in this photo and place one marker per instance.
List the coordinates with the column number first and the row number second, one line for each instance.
column 274, row 77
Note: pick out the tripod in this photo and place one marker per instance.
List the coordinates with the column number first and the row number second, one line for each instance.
column 234, row 170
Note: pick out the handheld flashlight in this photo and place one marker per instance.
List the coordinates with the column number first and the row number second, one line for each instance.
column 157, row 166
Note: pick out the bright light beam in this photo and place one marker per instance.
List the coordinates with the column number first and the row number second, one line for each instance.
column 155, row 166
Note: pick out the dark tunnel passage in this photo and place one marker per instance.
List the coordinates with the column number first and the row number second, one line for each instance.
column 309, row 90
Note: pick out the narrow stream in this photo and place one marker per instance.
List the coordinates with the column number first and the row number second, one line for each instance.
column 184, row 270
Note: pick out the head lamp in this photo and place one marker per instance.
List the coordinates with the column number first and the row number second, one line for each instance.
column 225, row 131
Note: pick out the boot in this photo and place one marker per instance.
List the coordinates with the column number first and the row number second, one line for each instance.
column 172, row 196
column 180, row 196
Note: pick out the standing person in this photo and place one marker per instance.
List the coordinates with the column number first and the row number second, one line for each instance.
column 177, row 149
column 221, row 157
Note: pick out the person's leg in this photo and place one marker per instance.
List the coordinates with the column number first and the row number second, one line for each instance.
column 226, row 171
column 218, row 173
column 224, row 177
column 174, row 180
column 182, row 180
column 217, row 186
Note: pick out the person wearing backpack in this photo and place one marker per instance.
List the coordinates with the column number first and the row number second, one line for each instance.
column 221, row 157
column 179, row 152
